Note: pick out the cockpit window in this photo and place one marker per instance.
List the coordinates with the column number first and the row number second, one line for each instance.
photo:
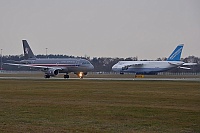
column 120, row 63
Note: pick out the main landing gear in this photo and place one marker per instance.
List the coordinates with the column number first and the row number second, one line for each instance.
column 66, row 76
column 47, row 76
column 80, row 75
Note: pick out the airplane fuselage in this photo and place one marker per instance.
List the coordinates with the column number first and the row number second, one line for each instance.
column 67, row 64
column 54, row 66
column 145, row 67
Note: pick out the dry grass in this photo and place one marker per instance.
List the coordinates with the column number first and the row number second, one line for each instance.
column 99, row 106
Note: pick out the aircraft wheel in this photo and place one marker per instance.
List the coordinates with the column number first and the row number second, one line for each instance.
column 66, row 76
column 47, row 76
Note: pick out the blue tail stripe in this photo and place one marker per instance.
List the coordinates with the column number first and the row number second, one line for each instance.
column 176, row 54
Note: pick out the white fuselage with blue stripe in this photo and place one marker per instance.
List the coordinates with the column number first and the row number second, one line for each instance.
column 145, row 67
column 150, row 67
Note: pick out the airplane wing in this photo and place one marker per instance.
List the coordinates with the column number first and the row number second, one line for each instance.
column 189, row 64
column 187, row 68
column 176, row 63
column 35, row 66
column 182, row 64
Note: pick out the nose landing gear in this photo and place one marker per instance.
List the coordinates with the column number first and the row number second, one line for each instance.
column 80, row 75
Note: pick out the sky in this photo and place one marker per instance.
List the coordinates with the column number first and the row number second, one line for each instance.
column 147, row 29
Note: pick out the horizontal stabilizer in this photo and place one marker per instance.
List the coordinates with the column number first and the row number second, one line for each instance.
column 187, row 68
column 189, row 64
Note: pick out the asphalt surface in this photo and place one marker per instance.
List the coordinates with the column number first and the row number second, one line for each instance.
column 117, row 79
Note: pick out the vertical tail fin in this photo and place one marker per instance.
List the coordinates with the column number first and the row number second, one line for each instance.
column 176, row 54
column 28, row 53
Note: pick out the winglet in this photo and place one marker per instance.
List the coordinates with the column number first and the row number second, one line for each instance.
column 28, row 53
column 176, row 54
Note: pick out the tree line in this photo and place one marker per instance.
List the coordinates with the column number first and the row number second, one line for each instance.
column 101, row 64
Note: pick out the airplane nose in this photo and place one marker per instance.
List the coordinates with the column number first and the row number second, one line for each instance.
column 114, row 68
column 91, row 67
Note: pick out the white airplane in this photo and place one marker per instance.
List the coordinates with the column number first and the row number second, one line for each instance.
column 152, row 67
column 52, row 67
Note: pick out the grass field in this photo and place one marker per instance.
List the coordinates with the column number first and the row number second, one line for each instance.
column 99, row 106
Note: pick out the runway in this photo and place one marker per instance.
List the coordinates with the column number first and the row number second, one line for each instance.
column 106, row 79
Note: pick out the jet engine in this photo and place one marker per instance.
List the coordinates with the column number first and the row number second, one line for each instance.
column 85, row 73
column 52, row 72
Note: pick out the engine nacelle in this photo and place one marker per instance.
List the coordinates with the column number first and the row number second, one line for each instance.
column 85, row 73
column 52, row 72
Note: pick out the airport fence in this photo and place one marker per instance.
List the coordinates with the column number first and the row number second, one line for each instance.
column 160, row 73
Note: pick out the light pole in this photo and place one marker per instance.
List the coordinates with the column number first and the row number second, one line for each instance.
column 46, row 52
column 1, row 60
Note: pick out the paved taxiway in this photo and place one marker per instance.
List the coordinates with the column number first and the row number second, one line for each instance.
column 117, row 79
